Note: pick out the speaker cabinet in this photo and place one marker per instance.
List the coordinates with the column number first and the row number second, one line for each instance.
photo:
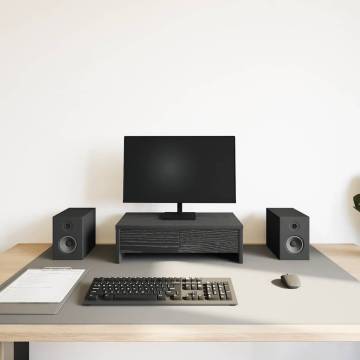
column 287, row 233
column 73, row 233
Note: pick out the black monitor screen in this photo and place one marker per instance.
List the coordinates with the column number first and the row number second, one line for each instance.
column 179, row 169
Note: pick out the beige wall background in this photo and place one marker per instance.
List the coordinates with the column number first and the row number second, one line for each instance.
column 76, row 76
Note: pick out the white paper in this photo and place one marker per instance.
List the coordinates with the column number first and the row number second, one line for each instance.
column 41, row 286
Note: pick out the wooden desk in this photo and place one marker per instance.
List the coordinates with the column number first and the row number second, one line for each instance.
column 346, row 256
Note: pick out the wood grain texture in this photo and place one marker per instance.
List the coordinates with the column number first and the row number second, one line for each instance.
column 209, row 241
column 148, row 240
column 190, row 241
column 188, row 333
column 14, row 259
column 346, row 256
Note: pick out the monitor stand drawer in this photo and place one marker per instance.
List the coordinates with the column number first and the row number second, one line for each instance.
column 149, row 241
column 209, row 241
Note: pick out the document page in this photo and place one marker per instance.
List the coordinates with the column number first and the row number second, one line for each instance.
column 48, row 285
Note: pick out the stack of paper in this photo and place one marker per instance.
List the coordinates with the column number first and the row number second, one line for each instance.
column 48, row 285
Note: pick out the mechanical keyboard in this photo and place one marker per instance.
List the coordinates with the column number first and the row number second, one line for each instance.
column 160, row 291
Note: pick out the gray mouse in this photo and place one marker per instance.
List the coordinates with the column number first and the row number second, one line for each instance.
column 291, row 281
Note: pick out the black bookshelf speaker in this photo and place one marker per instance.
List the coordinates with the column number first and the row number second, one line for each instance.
column 73, row 233
column 287, row 233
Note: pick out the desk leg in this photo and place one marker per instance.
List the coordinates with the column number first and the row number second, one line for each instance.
column 21, row 351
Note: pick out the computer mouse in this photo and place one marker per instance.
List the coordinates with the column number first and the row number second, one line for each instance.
column 291, row 281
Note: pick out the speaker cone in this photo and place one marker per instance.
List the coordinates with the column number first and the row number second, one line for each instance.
column 294, row 244
column 67, row 244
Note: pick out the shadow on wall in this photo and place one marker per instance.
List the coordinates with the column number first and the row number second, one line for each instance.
column 104, row 188
column 37, row 231
column 254, row 229
column 354, row 215
column 105, row 230
column 105, row 178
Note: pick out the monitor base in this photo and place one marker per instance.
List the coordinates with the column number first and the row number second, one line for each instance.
column 178, row 216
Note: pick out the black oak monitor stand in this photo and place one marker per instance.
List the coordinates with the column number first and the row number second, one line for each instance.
column 209, row 233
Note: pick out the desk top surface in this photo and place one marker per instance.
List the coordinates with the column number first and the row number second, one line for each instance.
column 328, row 297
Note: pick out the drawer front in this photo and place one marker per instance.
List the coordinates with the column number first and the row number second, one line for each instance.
column 209, row 241
column 149, row 241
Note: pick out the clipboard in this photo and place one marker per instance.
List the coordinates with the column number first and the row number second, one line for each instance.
column 36, row 308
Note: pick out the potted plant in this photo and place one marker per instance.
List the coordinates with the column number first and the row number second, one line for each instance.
column 357, row 202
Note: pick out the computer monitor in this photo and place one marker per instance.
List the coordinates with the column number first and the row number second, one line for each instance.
column 179, row 169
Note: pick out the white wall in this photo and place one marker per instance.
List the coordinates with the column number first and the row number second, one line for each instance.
column 210, row 351
column 76, row 76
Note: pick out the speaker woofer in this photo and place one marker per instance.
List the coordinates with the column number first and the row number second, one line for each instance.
column 294, row 244
column 67, row 244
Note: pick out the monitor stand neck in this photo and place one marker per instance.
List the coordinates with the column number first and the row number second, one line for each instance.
column 179, row 215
